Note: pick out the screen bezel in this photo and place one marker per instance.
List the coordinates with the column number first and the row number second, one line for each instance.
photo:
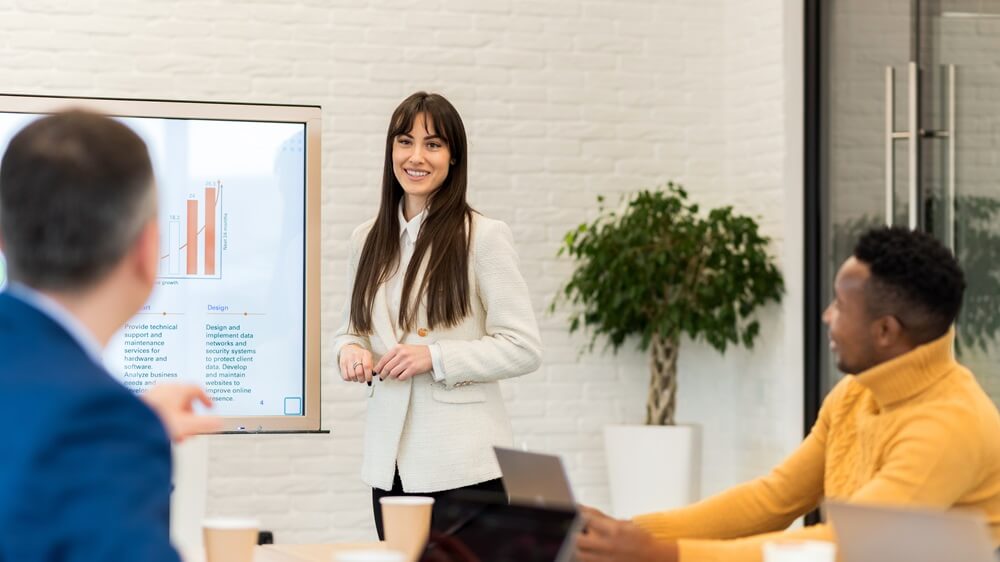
column 308, row 115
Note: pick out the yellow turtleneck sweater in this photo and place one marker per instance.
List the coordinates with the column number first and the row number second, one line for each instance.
column 917, row 430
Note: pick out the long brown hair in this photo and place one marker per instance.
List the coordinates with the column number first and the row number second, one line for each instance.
column 444, row 232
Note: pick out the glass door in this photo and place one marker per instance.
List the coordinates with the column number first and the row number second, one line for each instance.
column 960, row 164
column 909, row 134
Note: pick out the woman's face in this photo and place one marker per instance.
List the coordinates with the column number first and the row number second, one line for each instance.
column 420, row 158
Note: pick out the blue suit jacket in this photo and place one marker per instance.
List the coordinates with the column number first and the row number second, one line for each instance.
column 84, row 464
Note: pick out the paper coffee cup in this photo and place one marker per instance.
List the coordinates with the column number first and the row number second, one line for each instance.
column 406, row 521
column 229, row 539
column 799, row 551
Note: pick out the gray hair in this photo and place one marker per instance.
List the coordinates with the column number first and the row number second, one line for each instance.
column 76, row 190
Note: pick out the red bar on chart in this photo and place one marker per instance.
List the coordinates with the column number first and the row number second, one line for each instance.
column 192, row 237
column 210, row 230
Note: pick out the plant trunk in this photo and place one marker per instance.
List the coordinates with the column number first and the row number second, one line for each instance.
column 662, row 381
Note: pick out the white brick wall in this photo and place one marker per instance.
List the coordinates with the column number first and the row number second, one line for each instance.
column 563, row 100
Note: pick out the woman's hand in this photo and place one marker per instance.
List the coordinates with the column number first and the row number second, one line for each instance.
column 355, row 363
column 404, row 361
column 605, row 539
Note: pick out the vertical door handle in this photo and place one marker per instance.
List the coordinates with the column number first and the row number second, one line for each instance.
column 952, row 141
column 914, row 136
column 890, row 138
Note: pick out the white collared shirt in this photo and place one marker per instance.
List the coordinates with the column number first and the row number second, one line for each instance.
column 408, row 231
column 58, row 314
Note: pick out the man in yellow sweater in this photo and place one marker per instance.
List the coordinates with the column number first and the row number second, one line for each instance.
column 908, row 426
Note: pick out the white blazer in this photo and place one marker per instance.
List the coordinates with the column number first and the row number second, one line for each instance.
column 441, row 434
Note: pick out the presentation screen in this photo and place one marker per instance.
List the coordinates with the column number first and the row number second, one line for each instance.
column 235, row 307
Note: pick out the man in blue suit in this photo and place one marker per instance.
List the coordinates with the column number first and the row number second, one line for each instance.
column 85, row 465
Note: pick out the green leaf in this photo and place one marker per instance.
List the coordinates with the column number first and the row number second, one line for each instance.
column 657, row 265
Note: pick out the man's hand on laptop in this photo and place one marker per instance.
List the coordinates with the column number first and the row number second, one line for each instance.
column 174, row 404
column 605, row 539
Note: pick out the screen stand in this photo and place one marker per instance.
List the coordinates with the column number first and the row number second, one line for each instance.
column 188, row 500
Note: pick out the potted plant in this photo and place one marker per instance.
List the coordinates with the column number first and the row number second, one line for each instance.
column 656, row 270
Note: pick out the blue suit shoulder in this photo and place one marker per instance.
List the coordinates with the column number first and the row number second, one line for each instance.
column 86, row 470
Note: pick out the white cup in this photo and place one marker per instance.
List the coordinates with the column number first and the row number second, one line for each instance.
column 791, row 550
column 406, row 521
column 369, row 556
column 229, row 539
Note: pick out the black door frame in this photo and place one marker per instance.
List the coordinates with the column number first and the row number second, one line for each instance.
column 813, row 213
column 813, row 219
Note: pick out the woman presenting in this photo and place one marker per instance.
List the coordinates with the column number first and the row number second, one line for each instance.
column 438, row 313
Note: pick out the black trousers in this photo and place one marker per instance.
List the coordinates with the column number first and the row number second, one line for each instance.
column 490, row 487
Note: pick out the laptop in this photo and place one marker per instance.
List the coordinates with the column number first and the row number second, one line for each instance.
column 476, row 527
column 867, row 533
column 534, row 478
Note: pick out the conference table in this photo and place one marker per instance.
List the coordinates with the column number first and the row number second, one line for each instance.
column 307, row 552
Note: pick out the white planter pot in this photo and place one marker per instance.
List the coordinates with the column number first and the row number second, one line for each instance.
column 652, row 467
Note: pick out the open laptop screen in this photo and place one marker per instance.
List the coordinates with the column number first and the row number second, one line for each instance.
column 870, row 533
column 534, row 478
column 474, row 528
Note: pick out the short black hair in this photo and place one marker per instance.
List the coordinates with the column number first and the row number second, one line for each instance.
column 76, row 189
column 914, row 278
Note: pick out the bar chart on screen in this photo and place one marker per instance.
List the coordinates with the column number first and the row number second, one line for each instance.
column 193, row 235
